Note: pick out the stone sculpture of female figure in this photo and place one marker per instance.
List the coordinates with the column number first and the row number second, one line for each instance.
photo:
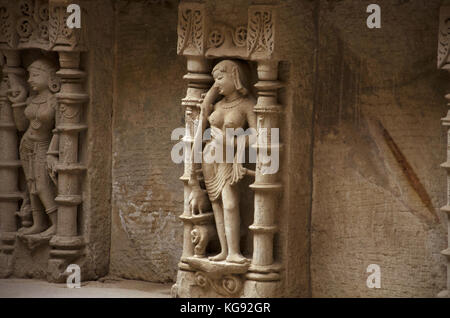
column 234, row 110
column 39, row 146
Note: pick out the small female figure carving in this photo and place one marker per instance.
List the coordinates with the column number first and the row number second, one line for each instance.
column 39, row 146
column 234, row 110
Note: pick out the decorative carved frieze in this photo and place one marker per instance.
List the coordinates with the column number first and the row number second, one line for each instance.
column 61, row 37
column 225, row 40
column 200, row 35
column 224, row 278
column 228, row 285
column 261, row 32
column 39, row 24
column 191, row 29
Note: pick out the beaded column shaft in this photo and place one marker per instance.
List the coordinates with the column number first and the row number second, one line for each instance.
column 9, row 159
column 266, row 185
column 199, row 80
column 67, row 243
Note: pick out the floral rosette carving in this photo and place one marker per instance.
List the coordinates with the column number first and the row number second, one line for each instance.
column 229, row 285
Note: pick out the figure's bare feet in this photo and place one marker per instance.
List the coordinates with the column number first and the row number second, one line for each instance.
column 49, row 232
column 36, row 228
column 236, row 258
column 219, row 257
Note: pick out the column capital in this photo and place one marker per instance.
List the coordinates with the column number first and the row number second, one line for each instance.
column 191, row 29
column 261, row 32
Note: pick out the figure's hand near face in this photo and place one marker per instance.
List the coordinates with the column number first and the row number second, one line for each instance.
column 212, row 95
column 17, row 93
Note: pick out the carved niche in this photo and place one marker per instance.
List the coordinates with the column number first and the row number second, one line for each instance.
column 211, row 207
column 46, row 103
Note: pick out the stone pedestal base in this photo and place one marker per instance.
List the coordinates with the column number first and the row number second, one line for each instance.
column 189, row 285
column 65, row 250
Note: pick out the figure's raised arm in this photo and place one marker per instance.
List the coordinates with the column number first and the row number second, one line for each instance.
column 206, row 108
column 17, row 94
column 198, row 200
column 53, row 149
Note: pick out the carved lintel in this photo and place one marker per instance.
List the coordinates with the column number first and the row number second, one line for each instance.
column 191, row 29
column 261, row 32
column 32, row 24
column 41, row 24
column 227, row 41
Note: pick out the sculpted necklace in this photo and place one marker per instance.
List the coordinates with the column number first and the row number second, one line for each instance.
column 232, row 103
column 36, row 123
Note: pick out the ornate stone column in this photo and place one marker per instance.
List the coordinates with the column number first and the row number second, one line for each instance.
column 67, row 243
column 260, row 45
column 266, row 185
column 444, row 63
column 9, row 165
column 199, row 80
column 191, row 33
